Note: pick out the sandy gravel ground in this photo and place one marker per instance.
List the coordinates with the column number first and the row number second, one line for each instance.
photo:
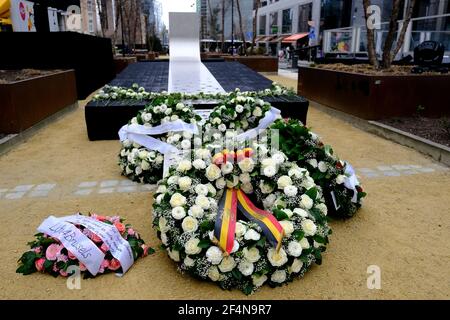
column 404, row 227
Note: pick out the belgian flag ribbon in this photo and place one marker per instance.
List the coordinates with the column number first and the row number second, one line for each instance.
column 225, row 226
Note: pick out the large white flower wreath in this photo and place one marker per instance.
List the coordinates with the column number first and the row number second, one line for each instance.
column 142, row 164
column 189, row 203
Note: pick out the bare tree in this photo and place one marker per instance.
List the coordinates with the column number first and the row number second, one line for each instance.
column 255, row 24
column 388, row 54
column 212, row 22
column 103, row 14
column 241, row 26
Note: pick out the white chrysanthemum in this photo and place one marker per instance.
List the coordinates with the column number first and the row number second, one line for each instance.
column 258, row 281
column 278, row 276
column 251, row 254
column 199, row 164
column 191, row 247
column 296, row 266
column 247, row 165
column 185, row 183
column 322, row 167
column 189, row 224
column 184, row 166
column 203, row 202
column 196, row 211
column 213, row 273
column 213, row 172
column 302, row 213
column 201, row 189
column 174, row 255
column 306, row 201
column 309, row 227
column 269, row 171
column 214, row 255
column 291, row 191
column 177, row 200
column 178, row 213
column 252, row 235
column 288, row 227
column 305, row 243
column 228, row 263
column 246, row 267
column 277, row 259
column 294, row 249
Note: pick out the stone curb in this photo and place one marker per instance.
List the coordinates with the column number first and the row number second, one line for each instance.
column 12, row 140
column 437, row 151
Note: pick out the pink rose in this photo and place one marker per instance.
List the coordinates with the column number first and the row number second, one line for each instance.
column 82, row 267
column 120, row 227
column 131, row 232
column 71, row 255
column 37, row 249
column 39, row 264
column 104, row 247
column 61, row 257
column 101, row 218
column 52, row 251
column 63, row 273
column 55, row 268
column 95, row 238
column 114, row 265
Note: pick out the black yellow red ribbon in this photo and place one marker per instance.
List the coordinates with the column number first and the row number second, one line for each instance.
column 225, row 226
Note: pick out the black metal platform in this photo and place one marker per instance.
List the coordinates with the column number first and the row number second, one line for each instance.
column 104, row 119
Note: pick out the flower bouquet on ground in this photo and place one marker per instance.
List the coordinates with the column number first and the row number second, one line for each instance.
column 92, row 244
column 341, row 189
column 241, row 223
column 143, row 164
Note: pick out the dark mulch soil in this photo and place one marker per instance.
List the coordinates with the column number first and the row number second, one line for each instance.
column 370, row 70
column 437, row 130
column 8, row 76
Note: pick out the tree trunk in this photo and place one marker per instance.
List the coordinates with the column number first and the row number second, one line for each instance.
column 255, row 24
column 390, row 38
column 222, row 36
column 406, row 22
column 244, row 44
column 373, row 60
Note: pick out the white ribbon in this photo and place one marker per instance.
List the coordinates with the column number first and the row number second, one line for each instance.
column 82, row 247
column 270, row 117
column 351, row 181
column 75, row 241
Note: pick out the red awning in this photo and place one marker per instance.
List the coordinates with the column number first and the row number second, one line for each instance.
column 278, row 39
column 295, row 37
column 266, row 39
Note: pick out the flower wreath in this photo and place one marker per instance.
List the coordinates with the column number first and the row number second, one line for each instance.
column 48, row 254
column 342, row 192
column 208, row 217
column 143, row 165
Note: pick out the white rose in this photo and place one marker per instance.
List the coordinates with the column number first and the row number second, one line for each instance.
column 221, row 183
column 145, row 165
column 213, row 172
column 199, row 164
column 245, row 178
column 269, row 201
column 162, row 223
column 288, row 227
column 233, row 182
column 235, row 247
column 284, row 181
column 308, row 183
column 174, row 255
column 127, row 143
column 216, row 121
column 252, row 235
column 143, row 154
column 296, row 172
column 302, row 213
column 189, row 224
column 308, row 227
column 185, row 144
column 159, row 198
column 214, row 274
column 323, row 208
column 227, row 264
column 277, row 259
column 278, row 158
column 201, row 189
column 191, row 247
column 222, row 127
column 246, row 165
column 258, row 281
column 244, row 124
column 312, row 162
column 173, row 180
column 179, row 106
column 306, row 201
column 294, row 249
column 268, row 162
column 304, row 243
column 246, row 267
column 174, row 117
column 168, row 111
column 178, row 213
column 252, row 254
column 269, row 171
column 211, row 189
column 196, row 211
column 322, row 167
column 239, row 108
column 185, row 183
column 189, row 262
column 240, row 230
column 340, row 179
column 138, row 170
column 184, row 166
column 257, row 112
column 203, row 202
column 159, row 159
column 280, row 203
column 176, row 137
column 227, row 168
column 291, row 191
column 214, row 255
column 288, row 212
column 296, row 266
column 265, row 188
column 278, row 276
column 247, row 188
column 164, row 239
column 177, row 200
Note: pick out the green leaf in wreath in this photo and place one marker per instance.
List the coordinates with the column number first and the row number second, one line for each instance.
column 236, row 274
column 205, row 243
column 312, row 193
column 280, row 215
column 298, row 235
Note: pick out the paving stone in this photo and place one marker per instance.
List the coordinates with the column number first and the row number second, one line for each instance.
column 15, row 195
column 391, row 173
column 106, row 190
column 88, row 184
column 39, row 193
column 45, row 186
column 401, row 167
column 109, row 183
column 127, row 189
column 83, row 192
column 22, row 188
column 384, row 168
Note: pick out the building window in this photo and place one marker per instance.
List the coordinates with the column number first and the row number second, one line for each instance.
column 304, row 16
column 262, row 25
column 287, row 21
column 89, row 5
column 274, row 23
